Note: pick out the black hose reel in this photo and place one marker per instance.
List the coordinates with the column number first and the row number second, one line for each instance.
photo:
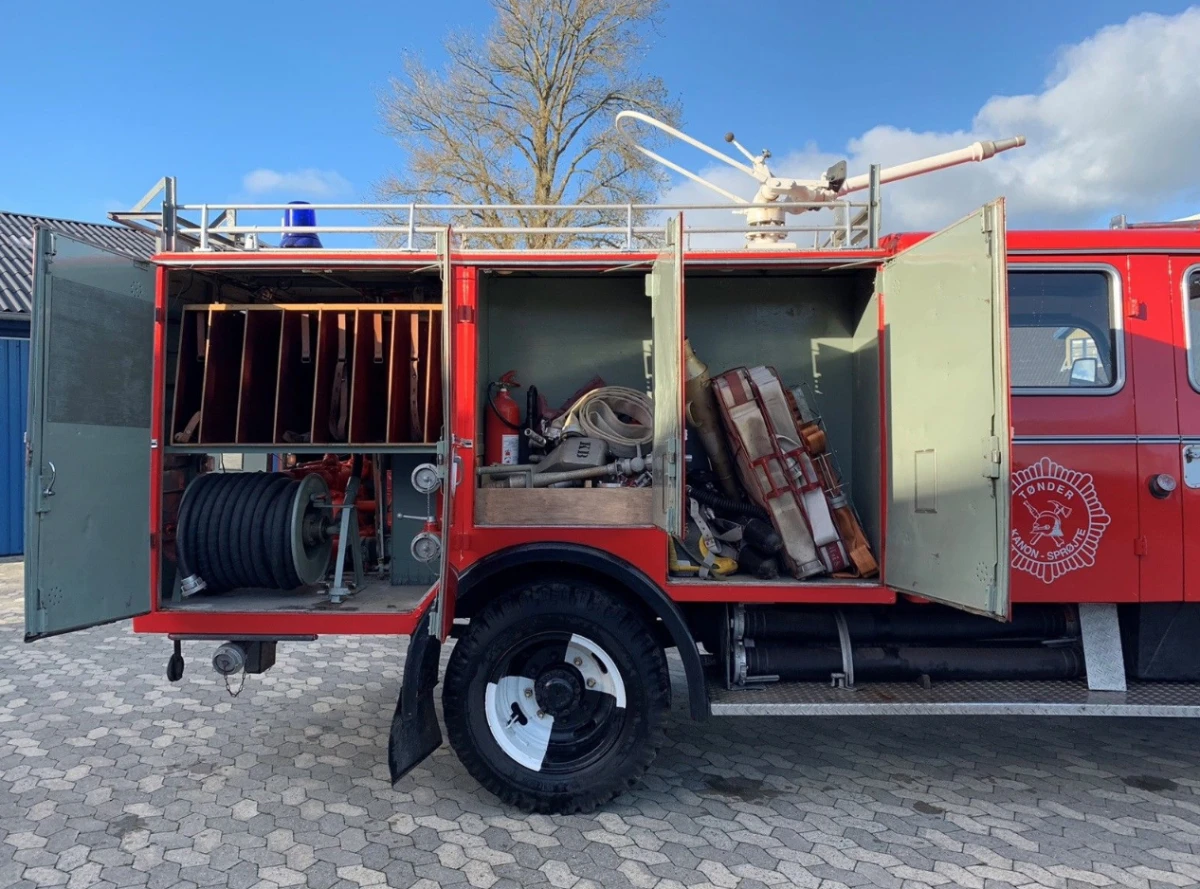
column 254, row 529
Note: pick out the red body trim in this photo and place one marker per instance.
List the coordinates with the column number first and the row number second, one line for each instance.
column 1156, row 399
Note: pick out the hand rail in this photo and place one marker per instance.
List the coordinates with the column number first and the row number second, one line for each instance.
column 618, row 226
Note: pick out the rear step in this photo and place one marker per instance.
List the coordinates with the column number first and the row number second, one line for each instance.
column 984, row 697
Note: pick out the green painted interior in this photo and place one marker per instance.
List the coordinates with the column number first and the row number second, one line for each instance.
column 559, row 331
column 818, row 329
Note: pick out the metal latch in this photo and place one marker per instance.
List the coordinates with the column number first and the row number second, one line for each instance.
column 1191, row 465
column 992, row 457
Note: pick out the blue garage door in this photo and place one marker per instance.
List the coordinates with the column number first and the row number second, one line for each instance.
column 14, row 396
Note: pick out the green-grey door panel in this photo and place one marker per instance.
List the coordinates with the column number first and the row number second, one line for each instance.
column 87, row 496
column 949, row 440
column 664, row 286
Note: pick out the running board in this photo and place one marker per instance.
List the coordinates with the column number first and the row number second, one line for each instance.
column 1007, row 698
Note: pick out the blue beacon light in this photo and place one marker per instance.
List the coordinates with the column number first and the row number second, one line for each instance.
column 302, row 215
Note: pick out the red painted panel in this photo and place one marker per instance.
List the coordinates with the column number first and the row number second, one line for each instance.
column 1189, row 423
column 1186, row 394
column 157, row 395
column 234, row 625
column 1150, row 322
column 1074, row 523
column 1162, row 545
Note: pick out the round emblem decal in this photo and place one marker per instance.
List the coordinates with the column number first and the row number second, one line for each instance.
column 1057, row 520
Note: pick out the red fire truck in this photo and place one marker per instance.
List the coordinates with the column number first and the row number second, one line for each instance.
column 240, row 443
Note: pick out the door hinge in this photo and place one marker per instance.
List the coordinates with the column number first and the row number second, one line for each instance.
column 652, row 288
column 992, row 457
column 1133, row 306
column 28, row 449
column 671, row 462
column 1140, row 546
column 466, row 314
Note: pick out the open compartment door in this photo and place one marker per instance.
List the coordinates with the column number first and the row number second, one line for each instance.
column 87, row 486
column 452, row 466
column 664, row 286
column 949, row 438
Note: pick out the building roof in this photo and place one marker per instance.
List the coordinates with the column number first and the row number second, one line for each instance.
column 16, row 252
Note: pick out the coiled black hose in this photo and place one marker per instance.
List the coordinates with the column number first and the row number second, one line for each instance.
column 235, row 530
column 727, row 505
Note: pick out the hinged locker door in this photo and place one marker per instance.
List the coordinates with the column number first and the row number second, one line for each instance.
column 442, row 610
column 664, row 286
column 949, row 439
column 87, row 486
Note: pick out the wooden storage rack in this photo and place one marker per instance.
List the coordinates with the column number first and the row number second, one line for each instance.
column 287, row 375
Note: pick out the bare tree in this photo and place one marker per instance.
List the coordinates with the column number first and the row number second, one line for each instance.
column 524, row 115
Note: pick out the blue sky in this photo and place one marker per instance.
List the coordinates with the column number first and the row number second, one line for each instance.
column 97, row 102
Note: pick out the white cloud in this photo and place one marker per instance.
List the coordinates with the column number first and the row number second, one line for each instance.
column 296, row 184
column 1115, row 129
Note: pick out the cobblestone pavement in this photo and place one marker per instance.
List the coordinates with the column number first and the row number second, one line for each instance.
column 111, row 777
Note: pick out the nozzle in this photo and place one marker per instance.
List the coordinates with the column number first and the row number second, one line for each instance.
column 993, row 148
column 192, row 584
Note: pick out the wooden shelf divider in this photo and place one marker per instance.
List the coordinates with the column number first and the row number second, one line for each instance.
column 319, row 374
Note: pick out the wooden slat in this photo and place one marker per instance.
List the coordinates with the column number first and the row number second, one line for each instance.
column 189, row 374
column 260, row 377
column 368, row 401
column 332, row 321
column 294, row 395
column 398, row 380
column 222, row 372
column 620, row 507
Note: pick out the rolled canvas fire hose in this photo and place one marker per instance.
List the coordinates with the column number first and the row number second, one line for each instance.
column 595, row 415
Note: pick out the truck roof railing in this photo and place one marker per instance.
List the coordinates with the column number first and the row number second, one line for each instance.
column 1187, row 223
column 402, row 227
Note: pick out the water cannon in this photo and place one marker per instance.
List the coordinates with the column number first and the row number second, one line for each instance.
column 795, row 195
column 303, row 216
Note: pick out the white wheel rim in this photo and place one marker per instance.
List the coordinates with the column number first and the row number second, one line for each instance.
column 512, row 710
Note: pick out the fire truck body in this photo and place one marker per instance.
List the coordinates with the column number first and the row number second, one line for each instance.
column 1036, row 541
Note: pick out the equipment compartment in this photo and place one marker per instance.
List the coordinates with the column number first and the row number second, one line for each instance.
column 290, row 365
column 569, row 333
column 818, row 331
column 559, row 334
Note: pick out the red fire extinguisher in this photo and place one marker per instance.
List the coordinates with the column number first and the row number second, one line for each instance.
column 503, row 428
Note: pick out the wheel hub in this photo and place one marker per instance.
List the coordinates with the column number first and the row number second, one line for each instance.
column 559, row 689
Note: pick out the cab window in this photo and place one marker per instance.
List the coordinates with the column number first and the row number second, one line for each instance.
column 1062, row 331
column 1192, row 295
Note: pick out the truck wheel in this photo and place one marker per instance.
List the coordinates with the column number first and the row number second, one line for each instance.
column 554, row 697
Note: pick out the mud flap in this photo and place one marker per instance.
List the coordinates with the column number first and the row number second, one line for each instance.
column 415, row 729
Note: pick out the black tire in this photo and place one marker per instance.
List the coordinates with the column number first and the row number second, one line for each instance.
column 572, row 777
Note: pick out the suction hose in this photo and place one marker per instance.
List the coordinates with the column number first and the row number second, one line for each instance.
column 728, row 505
column 253, row 529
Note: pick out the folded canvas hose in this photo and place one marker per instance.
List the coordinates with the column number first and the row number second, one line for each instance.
column 844, row 514
column 595, row 415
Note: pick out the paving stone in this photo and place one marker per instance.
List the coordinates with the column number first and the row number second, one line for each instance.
column 111, row 778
